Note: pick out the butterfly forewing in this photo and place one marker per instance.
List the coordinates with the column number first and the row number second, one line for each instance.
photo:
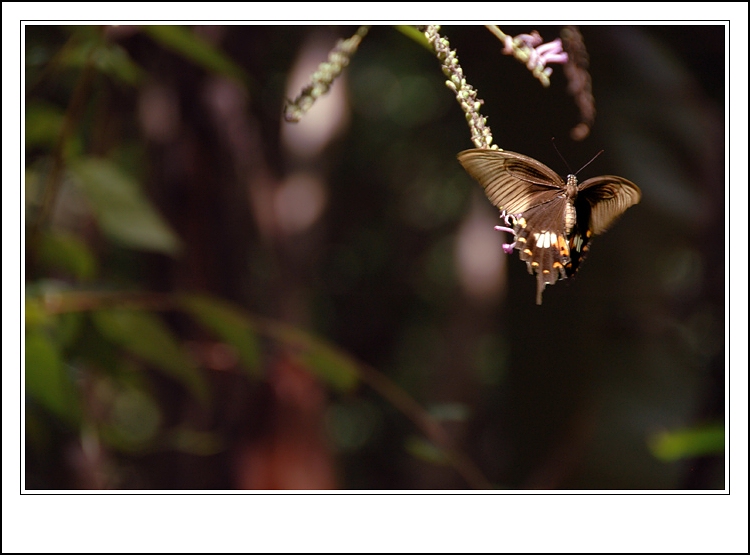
column 511, row 181
column 553, row 221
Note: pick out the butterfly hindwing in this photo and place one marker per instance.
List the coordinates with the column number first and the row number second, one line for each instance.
column 609, row 196
column 542, row 244
column 579, row 236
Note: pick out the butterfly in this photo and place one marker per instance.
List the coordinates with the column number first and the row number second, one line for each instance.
column 553, row 219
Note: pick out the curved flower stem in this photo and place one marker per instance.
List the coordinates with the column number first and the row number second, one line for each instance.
column 466, row 95
column 323, row 78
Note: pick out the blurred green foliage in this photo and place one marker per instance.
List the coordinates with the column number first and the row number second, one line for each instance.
column 47, row 380
column 184, row 41
column 683, row 444
column 145, row 336
column 121, row 210
column 229, row 325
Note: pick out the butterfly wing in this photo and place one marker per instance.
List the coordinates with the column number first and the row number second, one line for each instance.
column 513, row 182
column 609, row 196
column 542, row 244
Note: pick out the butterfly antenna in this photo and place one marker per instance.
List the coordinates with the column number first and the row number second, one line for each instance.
column 554, row 144
column 587, row 163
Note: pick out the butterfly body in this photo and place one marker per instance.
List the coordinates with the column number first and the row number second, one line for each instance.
column 553, row 219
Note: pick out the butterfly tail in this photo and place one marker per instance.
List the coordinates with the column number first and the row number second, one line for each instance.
column 545, row 252
column 540, row 285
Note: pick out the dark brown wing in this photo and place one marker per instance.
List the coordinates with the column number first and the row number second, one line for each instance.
column 542, row 244
column 609, row 196
column 513, row 182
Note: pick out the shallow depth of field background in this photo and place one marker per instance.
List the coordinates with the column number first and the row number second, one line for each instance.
column 212, row 292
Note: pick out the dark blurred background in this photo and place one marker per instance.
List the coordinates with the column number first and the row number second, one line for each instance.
column 210, row 290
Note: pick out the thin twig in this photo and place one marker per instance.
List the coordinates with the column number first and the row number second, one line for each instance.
column 54, row 177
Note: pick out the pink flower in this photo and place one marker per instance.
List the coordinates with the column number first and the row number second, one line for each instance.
column 509, row 221
column 539, row 55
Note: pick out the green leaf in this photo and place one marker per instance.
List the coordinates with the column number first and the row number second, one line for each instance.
column 146, row 336
column 35, row 314
column 46, row 379
column 203, row 444
column 332, row 366
column 66, row 252
column 184, row 42
column 33, row 188
column 328, row 363
column 63, row 328
column 450, row 412
column 422, row 449
column 44, row 123
column 691, row 442
column 88, row 46
column 113, row 60
column 123, row 212
column 67, row 328
column 229, row 325
column 135, row 420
